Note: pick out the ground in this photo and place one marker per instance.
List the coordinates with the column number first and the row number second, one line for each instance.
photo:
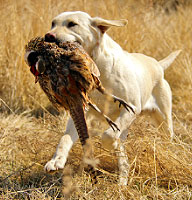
column 30, row 129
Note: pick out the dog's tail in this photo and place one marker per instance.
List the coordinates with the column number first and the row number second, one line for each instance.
column 166, row 62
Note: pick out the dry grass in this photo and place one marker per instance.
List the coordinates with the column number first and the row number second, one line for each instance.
column 160, row 169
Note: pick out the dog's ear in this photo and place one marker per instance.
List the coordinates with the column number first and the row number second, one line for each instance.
column 104, row 24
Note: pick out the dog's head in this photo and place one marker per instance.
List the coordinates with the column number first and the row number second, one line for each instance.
column 79, row 26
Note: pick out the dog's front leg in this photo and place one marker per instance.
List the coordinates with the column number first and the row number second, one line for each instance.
column 66, row 142
column 112, row 140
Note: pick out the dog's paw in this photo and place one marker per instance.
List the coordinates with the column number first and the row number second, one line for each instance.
column 55, row 164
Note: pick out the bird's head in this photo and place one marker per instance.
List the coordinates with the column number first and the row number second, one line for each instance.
column 34, row 59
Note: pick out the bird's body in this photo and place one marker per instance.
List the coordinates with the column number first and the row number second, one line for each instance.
column 67, row 75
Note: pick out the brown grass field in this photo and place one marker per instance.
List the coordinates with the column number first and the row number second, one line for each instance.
column 30, row 131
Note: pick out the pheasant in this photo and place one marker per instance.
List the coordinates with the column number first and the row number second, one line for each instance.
column 67, row 74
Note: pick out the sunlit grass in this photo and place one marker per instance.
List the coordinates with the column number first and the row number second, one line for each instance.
column 160, row 169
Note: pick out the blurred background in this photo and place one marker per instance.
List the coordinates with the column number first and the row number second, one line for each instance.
column 160, row 169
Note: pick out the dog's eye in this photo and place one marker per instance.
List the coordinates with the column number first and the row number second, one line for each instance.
column 53, row 25
column 71, row 24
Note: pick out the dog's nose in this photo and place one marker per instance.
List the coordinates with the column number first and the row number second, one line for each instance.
column 50, row 37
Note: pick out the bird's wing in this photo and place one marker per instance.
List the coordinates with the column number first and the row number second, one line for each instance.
column 94, row 69
column 80, row 55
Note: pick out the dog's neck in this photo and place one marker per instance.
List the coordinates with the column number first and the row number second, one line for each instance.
column 105, row 43
column 105, row 53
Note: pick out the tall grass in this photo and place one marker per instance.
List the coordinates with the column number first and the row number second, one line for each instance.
column 160, row 169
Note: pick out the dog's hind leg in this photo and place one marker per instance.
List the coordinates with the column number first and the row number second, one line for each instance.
column 163, row 115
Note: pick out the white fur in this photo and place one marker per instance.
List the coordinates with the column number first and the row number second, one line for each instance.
column 137, row 78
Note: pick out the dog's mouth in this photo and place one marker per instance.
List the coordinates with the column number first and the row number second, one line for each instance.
column 57, row 41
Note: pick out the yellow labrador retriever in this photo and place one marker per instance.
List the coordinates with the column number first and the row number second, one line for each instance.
column 137, row 78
